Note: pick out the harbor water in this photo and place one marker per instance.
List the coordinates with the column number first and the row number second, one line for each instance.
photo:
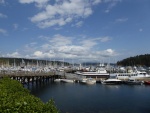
column 97, row 98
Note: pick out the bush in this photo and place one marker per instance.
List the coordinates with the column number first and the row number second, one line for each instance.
column 15, row 98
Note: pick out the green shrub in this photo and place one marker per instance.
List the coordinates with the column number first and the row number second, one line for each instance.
column 14, row 98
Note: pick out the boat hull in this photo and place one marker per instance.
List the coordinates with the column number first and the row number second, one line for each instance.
column 67, row 80
column 147, row 82
column 88, row 81
column 111, row 81
column 134, row 83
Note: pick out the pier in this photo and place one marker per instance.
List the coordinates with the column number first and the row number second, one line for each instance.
column 30, row 77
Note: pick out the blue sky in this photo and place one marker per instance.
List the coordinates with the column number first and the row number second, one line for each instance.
column 83, row 30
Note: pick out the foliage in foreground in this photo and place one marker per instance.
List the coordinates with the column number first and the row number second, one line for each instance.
column 15, row 98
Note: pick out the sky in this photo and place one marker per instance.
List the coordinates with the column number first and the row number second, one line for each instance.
column 74, row 30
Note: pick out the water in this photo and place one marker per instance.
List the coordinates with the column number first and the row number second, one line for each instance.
column 98, row 98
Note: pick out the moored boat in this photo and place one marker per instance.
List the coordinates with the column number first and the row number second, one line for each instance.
column 136, row 74
column 112, row 80
column 100, row 72
column 147, row 82
column 67, row 80
column 88, row 81
column 132, row 81
column 57, row 80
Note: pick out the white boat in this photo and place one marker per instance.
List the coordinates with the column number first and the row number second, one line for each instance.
column 88, row 81
column 132, row 81
column 111, row 80
column 99, row 73
column 57, row 80
column 83, row 80
column 133, row 75
column 67, row 80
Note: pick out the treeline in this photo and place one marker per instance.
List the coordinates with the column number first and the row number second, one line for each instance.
column 14, row 98
column 24, row 61
column 139, row 60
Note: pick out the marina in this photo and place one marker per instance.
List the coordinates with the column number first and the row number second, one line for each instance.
column 80, row 90
column 99, row 73
column 74, row 56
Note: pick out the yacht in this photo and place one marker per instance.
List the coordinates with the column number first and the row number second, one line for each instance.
column 88, row 81
column 100, row 72
column 136, row 74
column 112, row 80
column 64, row 80
column 132, row 81
column 57, row 80
column 147, row 82
column 67, row 80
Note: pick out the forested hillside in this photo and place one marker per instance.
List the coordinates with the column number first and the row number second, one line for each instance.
column 139, row 60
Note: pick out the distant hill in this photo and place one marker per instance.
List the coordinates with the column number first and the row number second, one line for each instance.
column 139, row 60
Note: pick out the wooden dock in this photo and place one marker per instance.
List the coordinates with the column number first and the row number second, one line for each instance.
column 31, row 77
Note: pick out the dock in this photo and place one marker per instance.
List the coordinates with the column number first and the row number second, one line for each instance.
column 31, row 77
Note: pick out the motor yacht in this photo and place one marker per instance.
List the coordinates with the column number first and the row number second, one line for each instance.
column 111, row 80
column 132, row 81
column 88, row 81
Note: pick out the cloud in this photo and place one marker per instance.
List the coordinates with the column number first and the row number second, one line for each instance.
column 121, row 20
column 102, row 39
column 59, row 40
column 39, row 3
column 14, row 54
column 107, row 53
column 112, row 3
column 2, row 1
column 78, row 24
column 38, row 53
column 3, row 16
column 140, row 29
column 61, row 12
column 30, row 47
column 3, row 31
column 105, row 39
column 96, row 2
column 59, row 47
column 15, row 26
